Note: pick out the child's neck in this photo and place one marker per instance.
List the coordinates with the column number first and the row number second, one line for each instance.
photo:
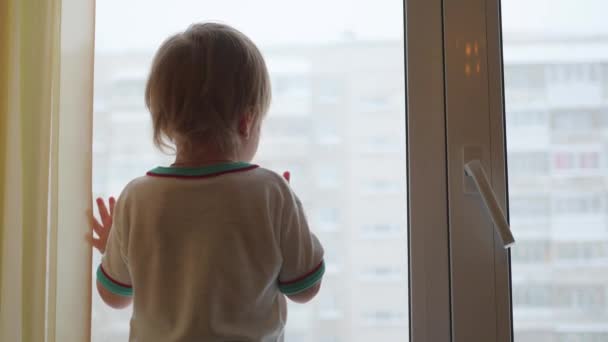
column 194, row 159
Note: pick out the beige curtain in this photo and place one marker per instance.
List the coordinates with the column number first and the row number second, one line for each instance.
column 46, row 81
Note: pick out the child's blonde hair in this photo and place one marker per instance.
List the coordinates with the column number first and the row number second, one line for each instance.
column 202, row 82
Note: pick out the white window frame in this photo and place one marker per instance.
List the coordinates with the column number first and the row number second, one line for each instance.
column 480, row 268
column 429, row 266
column 459, row 270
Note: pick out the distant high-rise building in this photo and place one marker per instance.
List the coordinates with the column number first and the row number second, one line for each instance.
column 557, row 137
column 337, row 122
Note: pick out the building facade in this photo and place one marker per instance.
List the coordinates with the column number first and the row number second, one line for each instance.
column 337, row 122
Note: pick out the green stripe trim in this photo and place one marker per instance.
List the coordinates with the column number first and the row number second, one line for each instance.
column 303, row 284
column 112, row 286
column 199, row 171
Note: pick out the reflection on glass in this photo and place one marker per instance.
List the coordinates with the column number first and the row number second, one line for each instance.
column 556, row 114
column 337, row 117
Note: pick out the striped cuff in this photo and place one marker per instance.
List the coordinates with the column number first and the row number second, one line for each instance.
column 304, row 282
column 112, row 285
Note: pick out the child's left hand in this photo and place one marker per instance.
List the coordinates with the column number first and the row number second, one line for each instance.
column 102, row 229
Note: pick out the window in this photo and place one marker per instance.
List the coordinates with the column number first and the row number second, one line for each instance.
column 329, row 309
column 384, row 318
column 327, row 218
column 525, row 76
column 327, row 133
column 576, row 162
column 380, row 187
column 533, row 251
column 532, row 296
column 575, row 72
column 329, row 90
column 126, row 92
column 582, row 336
column 381, row 274
column 380, row 144
column 585, row 252
column 320, row 78
column 529, row 206
column 526, row 119
column 374, row 104
column 561, row 296
column 340, row 87
column 329, row 339
column 333, row 260
column 529, row 163
column 291, row 86
column 558, row 291
column 572, row 121
column 578, row 204
column 328, row 176
column 528, row 83
column 381, row 231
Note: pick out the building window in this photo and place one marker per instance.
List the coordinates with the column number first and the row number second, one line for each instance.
column 578, row 204
column 327, row 218
column 577, row 297
column 374, row 104
column 568, row 73
column 582, row 297
column 531, row 295
column 384, row 318
column 525, row 76
column 380, row 187
column 329, row 91
column 526, row 119
column 526, row 83
column 528, row 163
column 531, row 252
column 381, row 230
column 570, row 121
column 330, row 338
column 382, row 274
column 327, row 176
column 328, row 305
column 127, row 93
column 583, row 337
column 524, row 207
column 381, row 144
column 331, row 258
column 291, row 94
column 582, row 251
column 327, row 133
column 564, row 161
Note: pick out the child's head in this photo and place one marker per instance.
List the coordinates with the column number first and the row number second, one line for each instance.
column 208, row 89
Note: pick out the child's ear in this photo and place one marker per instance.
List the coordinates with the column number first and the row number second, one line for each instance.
column 246, row 125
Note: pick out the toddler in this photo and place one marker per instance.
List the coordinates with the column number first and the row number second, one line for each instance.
column 209, row 247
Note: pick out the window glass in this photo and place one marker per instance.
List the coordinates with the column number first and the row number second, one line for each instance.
column 556, row 86
column 337, row 116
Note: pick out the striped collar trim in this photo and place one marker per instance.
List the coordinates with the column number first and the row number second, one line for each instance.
column 201, row 172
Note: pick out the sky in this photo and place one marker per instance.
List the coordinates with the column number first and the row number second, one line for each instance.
column 143, row 24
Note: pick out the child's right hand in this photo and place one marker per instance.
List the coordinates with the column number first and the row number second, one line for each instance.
column 102, row 229
column 287, row 176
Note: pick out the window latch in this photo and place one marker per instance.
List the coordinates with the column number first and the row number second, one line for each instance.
column 475, row 170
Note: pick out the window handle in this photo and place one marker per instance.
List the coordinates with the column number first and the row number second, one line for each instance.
column 475, row 170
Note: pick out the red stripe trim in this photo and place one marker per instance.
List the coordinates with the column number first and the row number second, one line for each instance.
column 112, row 279
column 302, row 277
column 152, row 174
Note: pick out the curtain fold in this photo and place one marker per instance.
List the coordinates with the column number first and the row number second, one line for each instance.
column 46, row 80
